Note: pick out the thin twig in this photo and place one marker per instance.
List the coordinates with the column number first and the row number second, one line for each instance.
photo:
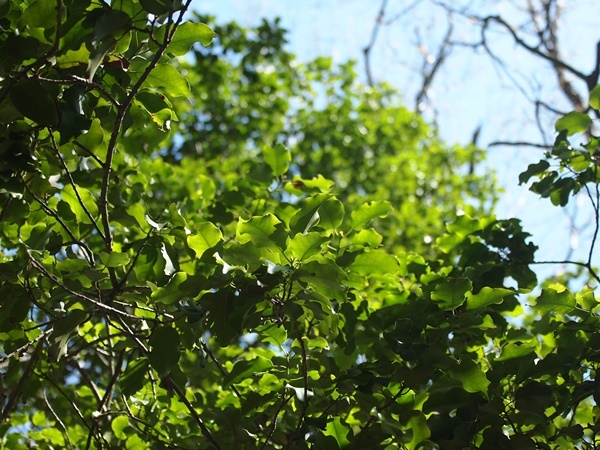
column 74, row 186
column 519, row 144
column 369, row 47
column 100, row 305
column 57, row 418
column 16, row 392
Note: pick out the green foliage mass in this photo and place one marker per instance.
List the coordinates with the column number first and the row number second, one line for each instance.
column 205, row 244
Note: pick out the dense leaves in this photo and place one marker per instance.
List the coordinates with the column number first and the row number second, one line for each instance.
column 228, row 249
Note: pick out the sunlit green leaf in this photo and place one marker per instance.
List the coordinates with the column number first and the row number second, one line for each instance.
column 118, row 426
column 303, row 246
column 260, row 230
column 114, row 259
column 278, row 158
column 451, row 292
column 370, row 211
column 573, row 122
column 170, row 293
column 487, row 296
column 550, row 301
column 375, row 262
column 207, row 236
column 167, row 77
column 595, row 97
column 471, row 376
column 340, row 431
column 246, row 368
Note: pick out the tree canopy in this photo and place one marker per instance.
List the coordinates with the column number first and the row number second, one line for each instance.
column 206, row 244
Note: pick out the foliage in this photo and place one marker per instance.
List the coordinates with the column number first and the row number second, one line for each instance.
column 232, row 250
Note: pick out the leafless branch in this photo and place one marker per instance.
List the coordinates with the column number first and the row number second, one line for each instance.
column 519, row 144
column 367, row 50
column 429, row 71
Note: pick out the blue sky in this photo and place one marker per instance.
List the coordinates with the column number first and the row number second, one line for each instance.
column 469, row 91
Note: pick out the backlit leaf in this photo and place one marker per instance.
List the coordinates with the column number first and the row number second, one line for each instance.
column 167, row 77
column 451, row 292
column 550, row 301
column 487, row 296
column 375, row 262
column 573, row 122
column 370, row 211
column 207, row 236
column 246, row 368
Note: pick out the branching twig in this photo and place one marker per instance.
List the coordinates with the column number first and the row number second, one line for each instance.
column 367, row 50
column 88, row 253
column 79, row 295
column 168, row 380
column 16, row 392
column 274, row 421
column 428, row 74
column 108, row 395
column 171, row 27
column 74, row 186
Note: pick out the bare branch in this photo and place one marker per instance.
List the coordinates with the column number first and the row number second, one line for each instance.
column 519, row 144
column 369, row 47
column 428, row 73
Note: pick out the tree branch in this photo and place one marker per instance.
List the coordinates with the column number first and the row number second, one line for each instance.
column 369, row 47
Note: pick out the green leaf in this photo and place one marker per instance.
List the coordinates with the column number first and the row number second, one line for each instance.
column 573, row 122
column 451, row 293
column 134, row 377
column 365, row 238
column 40, row 14
column 370, row 211
column 167, row 77
column 111, row 23
column 532, row 170
column 93, row 139
column 375, row 262
column 550, row 301
column 273, row 334
column 278, row 158
column 63, row 330
column 420, row 431
column 79, row 199
column 246, row 368
column 308, row 215
column 471, row 376
column 303, row 246
column 33, row 101
column 487, row 296
column 68, row 324
column 170, row 293
column 260, row 230
column 340, row 431
column 207, row 236
column 164, row 353
column 157, row 8
column 514, row 350
column 118, row 426
column 188, row 34
column 322, row 277
column 331, row 214
column 114, row 259
column 595, row 97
